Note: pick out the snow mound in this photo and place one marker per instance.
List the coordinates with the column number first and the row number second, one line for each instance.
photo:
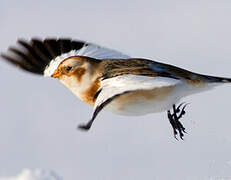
column 37, row 174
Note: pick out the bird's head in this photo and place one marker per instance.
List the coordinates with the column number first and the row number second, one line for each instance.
column 71, row 67
column 78, row 73
column 77, row 64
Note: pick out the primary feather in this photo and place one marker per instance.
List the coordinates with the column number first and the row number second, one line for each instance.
column 37, row 55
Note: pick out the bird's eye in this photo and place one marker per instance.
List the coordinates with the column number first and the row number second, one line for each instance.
column 68, row 68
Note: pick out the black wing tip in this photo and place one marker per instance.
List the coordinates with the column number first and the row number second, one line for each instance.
column 2, row 55
column 34, row 55
column 19, row 64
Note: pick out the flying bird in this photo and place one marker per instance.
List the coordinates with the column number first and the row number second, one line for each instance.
column 108, row 79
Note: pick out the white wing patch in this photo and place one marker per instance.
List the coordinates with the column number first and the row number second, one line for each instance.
column 98, row 52
column 121, row 84
column 90, row 50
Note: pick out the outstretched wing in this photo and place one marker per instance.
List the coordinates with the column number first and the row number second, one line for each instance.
column 34, row 56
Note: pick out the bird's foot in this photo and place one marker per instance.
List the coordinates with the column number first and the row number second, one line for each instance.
column 174, row 120
column 85, row 127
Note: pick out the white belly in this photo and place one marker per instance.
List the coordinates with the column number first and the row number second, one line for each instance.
column 141, row 107
column 143, row 102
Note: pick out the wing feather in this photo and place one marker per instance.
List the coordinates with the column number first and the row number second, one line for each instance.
column 36, row 55
column 119, row 85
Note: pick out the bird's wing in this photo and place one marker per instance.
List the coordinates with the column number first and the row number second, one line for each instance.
column 34, row 56
column 145, row 67
column 114, row 87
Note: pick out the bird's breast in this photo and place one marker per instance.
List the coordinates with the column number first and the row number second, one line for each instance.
column 82, row 85
column 88, row 95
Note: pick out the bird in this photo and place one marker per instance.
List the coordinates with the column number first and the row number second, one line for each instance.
column 110, row 80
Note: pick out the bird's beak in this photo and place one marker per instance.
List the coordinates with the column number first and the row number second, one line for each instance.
column 56, row 74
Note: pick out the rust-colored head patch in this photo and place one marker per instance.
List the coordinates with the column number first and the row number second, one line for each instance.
column 68, row 66
column 78, row 73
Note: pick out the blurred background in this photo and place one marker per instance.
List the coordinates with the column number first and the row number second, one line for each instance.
column 39, row 116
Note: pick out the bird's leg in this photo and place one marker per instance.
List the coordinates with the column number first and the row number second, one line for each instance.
column 179, row 125
column 87, row 126
column 174, row 120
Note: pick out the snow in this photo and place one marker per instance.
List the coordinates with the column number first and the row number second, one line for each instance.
column 41, row 174
column 38, row 174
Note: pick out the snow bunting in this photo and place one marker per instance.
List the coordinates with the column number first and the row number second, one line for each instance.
column 108, row 79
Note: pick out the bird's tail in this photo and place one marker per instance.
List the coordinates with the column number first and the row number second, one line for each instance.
column 215, row 79
column 201, row 83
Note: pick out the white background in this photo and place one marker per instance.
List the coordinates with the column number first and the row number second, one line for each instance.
column 39, row 116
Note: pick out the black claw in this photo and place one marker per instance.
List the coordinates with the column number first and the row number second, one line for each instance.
column 182, row 111
column 178, row 108
column 174, row 120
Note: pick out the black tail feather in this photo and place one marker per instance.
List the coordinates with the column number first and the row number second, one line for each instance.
column 214, row 79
